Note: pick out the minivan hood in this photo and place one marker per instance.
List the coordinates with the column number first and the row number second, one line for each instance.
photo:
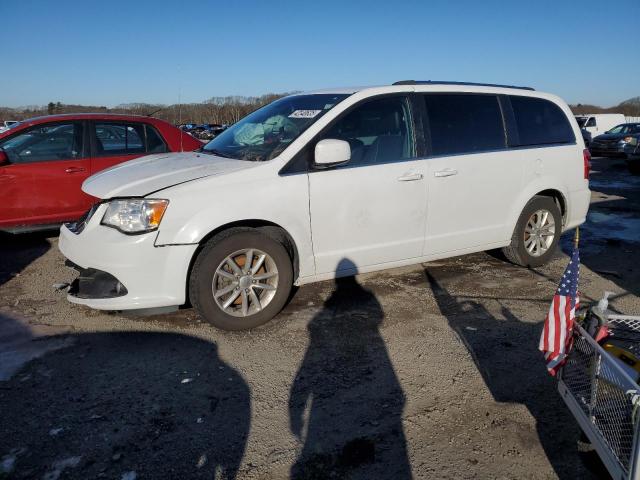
column 137, row 178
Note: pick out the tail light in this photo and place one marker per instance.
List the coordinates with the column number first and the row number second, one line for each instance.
column 587, row 163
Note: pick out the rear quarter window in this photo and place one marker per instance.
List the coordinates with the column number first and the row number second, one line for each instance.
column 155, row 144
column 540, row 122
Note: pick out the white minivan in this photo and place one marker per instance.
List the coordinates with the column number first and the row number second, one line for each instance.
column 326, row 184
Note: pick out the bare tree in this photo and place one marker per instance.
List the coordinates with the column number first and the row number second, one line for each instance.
column 216, row 110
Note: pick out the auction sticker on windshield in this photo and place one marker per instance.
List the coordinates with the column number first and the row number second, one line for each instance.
column 304, row 113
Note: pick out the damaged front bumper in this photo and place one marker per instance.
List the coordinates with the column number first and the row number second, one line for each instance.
column 94, row 283
column 123, row 272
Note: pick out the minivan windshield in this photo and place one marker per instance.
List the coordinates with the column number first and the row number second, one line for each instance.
column 265, row 133
column 581, row 121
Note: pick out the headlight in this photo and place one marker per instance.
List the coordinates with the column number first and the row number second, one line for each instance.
column 134, row 215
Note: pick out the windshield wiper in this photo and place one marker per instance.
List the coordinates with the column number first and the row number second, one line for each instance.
column 216, row 152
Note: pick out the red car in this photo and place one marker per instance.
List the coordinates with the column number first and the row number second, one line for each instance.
column 43, row 162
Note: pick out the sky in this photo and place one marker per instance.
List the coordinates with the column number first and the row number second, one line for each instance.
column 109, row 53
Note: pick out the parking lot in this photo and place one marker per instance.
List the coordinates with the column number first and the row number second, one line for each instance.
column 429, row 371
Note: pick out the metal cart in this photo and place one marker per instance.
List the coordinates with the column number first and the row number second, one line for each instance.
column 604, row 397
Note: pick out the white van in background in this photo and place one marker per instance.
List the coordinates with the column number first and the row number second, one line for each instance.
column 598, row 123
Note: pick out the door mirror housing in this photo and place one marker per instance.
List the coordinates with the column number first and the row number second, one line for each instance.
column 331, row 153
column 4, row 159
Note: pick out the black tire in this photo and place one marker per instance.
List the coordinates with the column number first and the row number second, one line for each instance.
column 634, row 167
column 516, row 251
column 208, row 260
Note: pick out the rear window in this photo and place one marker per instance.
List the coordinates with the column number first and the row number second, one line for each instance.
column 464, row 123
column 540, row 122
column 127, row 139
column 155, row 144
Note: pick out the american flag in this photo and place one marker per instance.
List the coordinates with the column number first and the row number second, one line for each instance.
column 556, row 339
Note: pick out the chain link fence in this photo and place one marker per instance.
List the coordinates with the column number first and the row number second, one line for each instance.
column 599, row 385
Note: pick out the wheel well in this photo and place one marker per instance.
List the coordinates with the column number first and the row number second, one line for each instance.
column 558, row 198
column 270, row 229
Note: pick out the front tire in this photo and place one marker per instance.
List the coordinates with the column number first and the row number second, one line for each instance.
column 241, row 279
column 537, row 233
column 634, row 167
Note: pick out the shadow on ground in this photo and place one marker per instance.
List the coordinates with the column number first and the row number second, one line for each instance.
column 346, row 402
column 161, row 405
column 505, row 351
column 18, row 251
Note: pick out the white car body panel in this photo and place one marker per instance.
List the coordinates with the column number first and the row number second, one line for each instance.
column 148, row 174
column 362, row 224
column 251, row 194
column 364, row 213
column 466, row 206
column 154, row 277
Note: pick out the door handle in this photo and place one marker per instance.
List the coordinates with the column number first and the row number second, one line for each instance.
column 410, row 177
column 74, row 170
column 447, row 172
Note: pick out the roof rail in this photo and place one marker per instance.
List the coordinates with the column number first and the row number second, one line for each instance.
column 473, row 84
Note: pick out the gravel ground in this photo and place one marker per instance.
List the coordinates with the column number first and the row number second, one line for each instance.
column 423, row 372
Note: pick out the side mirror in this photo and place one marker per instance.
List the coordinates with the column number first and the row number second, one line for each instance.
column 4, row 159
column 331, row 153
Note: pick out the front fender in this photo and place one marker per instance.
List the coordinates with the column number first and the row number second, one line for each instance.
column 200, row 207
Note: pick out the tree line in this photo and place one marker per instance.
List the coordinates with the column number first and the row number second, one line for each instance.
column 220, row 110
column 629, row 108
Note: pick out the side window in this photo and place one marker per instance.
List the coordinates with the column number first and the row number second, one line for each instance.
column 119, row 139
column 378, row 131
column 591, row 122
column 540, row 122
column 464, row 123
column 155, row 144
column 135, row 139
column 60, row 141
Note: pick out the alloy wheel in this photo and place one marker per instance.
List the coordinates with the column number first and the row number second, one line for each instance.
column 539, row 233
column 245, row 282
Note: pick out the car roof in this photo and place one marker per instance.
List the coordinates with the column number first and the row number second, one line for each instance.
column 438, row 87
column 89, row 116
column 442, row 86
column 334, row 90
column 449, row 85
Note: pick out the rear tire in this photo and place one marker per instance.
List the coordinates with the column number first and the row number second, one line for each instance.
column 227, row 292
column 634, row 167
column 537, row 233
